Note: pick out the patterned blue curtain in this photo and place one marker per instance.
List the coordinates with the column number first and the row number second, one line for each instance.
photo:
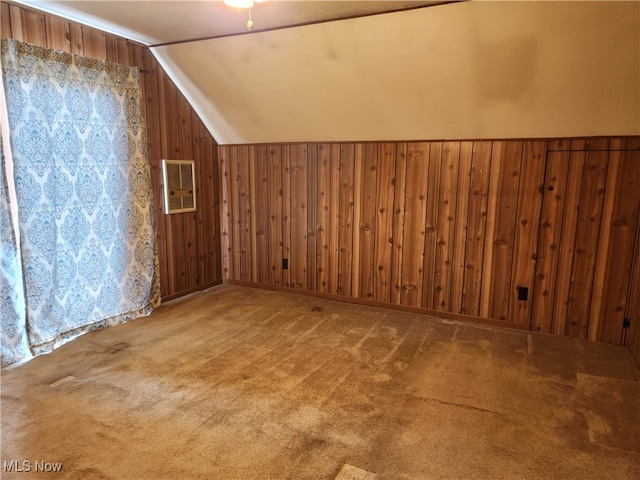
column 82, row 181
column 13, row 327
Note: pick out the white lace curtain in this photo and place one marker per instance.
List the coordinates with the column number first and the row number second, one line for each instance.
column 83, row 253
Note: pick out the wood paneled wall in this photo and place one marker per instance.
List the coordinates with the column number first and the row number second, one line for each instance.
column 448, row 227
column 189, row 243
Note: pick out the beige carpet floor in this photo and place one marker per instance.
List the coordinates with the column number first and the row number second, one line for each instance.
column 241, row 383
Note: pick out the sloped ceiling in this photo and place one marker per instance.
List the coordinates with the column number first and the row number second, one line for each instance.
column 455, row 71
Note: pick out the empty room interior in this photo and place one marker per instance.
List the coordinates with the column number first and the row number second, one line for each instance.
column 333, row 240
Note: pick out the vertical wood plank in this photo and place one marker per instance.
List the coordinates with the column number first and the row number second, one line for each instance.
column 58, row 33
column 185, row 151
column 383, row 224
column 112, row 48
column 244, row 218
column 28, row 26
column 323, row 218
column 236, row 245
column 298, row 259
column 224, row 160
column 431, row 222
column 417, row 174
column 527, row 228
column 615, row 248
column 398, row 223
column 357, row 213
column 276, row 214
column 311, row 210
column 5, row 21
column 253, row 213
column 138, row 60
column 16, row 23
column 167, row 112
column 75, row 34
column 209, row 227
column 587, row 234
column 152, row 119
column 633, row 310
column 476, row 226
column 287, row 212
column 460, row 228
column 215, row 238
column 368, row 220
column 262, row 209
column 346, row 219
column 94, row 42
column 501, row 219
column 334, row 217
column 445, row 233
column 549, row 236
column 567, row 242
column 124, row 56
column 201, row 212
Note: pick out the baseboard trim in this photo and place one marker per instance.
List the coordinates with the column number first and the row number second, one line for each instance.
column 189, row 291
column 390, row 306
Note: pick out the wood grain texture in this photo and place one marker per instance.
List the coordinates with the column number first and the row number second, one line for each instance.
column 415, row 207
column 383, row 233
column 245, row 214
column 525, row 251
column 276, row 214
column 5, row 20
column 476, row 227
column 299, row 228
column 549, row 236
column 431, row 222
column 346, row 219
column 399, row 212
column 632, row 335
column 260, row 205
column 461, row 221
column 445, row 226
column 457, row 227
column 586, row 245
column 612, row 277
column 59, row 33
column 501, row 221
column 367, row 224
column 224, row 162
column 323, row 227
column 311, row 211
column 567, row 243
column 334, row 217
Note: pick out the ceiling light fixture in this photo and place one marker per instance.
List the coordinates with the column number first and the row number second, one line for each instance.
column 244, row 4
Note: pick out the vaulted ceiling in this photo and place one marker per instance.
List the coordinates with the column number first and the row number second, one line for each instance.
column 476, row 69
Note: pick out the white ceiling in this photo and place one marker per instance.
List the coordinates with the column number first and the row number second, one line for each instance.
column 154, row 22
